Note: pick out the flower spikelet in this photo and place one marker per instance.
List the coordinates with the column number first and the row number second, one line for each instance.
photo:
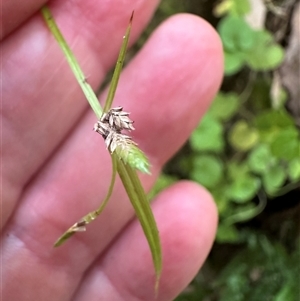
column 110, row 127
column 118, row 119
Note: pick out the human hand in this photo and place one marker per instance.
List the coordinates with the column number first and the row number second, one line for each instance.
column 55, row 168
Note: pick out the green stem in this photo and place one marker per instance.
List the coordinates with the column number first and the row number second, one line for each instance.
column 86, row 88
column 285, row 189
column 111, row 186
column 248, row 214
column 88, row 218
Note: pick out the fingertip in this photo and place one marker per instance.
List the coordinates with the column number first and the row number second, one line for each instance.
column 193, row 28
column 191, row 209
column 187, row 221
column 199, row 42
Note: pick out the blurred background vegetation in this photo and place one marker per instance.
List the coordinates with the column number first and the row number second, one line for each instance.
column 246, row 151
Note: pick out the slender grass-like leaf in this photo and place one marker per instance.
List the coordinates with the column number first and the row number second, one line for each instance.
column 144, row 213
column 118, row 68
column 81, row 79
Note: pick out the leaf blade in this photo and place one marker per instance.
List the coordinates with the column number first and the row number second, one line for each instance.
column 118, row 68
column 73, row 63
column 144, row 213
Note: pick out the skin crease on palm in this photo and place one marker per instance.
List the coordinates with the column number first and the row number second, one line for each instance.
column 55, row 168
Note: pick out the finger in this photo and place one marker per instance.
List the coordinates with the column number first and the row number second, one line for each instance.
column 187, row 219
column 42, row 100
column 76, row 178
column 15, row 12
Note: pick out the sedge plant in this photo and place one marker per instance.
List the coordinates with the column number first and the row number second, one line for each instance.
column 126, row 157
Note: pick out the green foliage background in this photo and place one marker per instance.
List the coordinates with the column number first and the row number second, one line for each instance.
column 246, row 152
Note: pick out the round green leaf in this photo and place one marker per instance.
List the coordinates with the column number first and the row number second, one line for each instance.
column 240, row 7
column 286, row 144
column 242, row 137
column 224, row 106
column 274, row 179
column 234, row 7
column 222, row 8
column 265, row 54
column 236, row 169
column 233, row 62
column 260, row 158
column 227, row 233
column 243, row 189
column 294, row 169
column 220, row 196
column 236, row 34
column 207, row 170
column 273, row 118
column 208, row 136
column 271, row 59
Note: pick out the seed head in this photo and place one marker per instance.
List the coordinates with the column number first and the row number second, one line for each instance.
column 118, row 119
column 116, row 140
column 110, row 126
column 102, row 128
